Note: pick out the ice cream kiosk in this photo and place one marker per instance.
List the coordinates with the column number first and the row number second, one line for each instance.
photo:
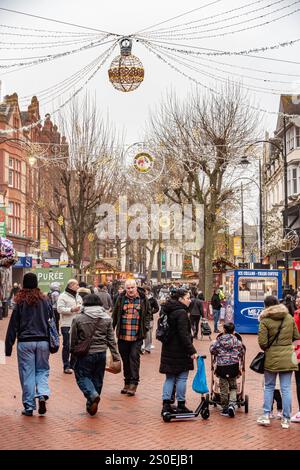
column 246, row 290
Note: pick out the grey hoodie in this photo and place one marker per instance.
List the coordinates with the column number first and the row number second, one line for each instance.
column 103, row 338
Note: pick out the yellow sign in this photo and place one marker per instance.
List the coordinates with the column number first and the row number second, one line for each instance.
column 44, row 244
column 237, row 246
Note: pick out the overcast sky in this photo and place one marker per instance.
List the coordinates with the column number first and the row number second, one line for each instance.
column 129, row 111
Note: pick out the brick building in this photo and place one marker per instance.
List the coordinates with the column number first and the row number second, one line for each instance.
column 20, row 182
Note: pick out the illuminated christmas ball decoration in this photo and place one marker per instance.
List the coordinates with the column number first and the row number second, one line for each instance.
column 126, row 71
column 91, row 237
column 60, row 220
column 143, row 162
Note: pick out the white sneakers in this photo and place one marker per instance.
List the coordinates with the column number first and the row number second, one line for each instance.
column 285, row 423
column 264, row 420
column 296, row 418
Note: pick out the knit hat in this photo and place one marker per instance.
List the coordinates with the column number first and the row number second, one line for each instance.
column 30, row 281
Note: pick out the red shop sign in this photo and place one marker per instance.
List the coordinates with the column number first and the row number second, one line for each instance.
column 296, row 265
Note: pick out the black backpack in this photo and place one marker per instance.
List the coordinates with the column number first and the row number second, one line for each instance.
column 163, row 328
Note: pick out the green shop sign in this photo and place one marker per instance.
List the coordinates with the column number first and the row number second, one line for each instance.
column 48, row 275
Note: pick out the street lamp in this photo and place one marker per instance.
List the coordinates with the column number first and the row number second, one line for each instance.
column 283, row 152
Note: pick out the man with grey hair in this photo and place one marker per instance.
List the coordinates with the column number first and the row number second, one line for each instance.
column 68, row 305
column 131, row 318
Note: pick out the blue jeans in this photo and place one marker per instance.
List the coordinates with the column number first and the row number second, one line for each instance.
column 180, row 381
column 216, row 319
column 285, row 387
column 65, row 331
column 89, row 373
column 33, row 362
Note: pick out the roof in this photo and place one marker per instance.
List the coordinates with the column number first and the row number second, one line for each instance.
column 289, row 104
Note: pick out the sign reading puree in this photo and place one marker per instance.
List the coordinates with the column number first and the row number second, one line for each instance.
column 48, row 275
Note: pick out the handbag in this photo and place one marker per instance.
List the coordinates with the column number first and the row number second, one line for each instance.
column 112, row 366
column 258, row 362
column 81, row 349
column 52, row 332
column 199, row 382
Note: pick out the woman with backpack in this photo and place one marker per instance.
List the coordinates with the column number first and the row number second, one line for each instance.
column 30, row 324
column 177, row 352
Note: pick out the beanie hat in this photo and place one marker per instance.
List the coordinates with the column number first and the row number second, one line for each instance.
column 30, row 281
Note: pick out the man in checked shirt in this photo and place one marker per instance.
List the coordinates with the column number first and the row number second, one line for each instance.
column 131, row 318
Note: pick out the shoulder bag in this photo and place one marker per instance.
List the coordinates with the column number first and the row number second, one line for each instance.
column 81, row 349
column 258, row 363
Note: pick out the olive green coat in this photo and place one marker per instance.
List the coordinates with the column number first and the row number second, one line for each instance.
column 278, row 358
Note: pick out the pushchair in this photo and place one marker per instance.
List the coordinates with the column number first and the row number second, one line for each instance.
column 215, row 396
column 205, row 328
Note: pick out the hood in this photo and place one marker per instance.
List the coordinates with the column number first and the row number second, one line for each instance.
column 276, row 312
column 172, row 305
column 227, row 341
column 95, row 312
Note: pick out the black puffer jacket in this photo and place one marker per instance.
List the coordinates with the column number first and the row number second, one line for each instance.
column 176, row 353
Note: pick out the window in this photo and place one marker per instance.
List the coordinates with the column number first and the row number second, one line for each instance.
column 14, row 173
column 290, row 139
column 292, row 181
column 171, row 259
column 14, row 217
column 177, row 260
column 298, row 137
column 253, row 290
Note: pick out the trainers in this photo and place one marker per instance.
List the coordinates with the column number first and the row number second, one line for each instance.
column 27, row 412
column 42, row 406
column 231, row 411
column 271, row 415
column 279, row 415
column 264, row 420
column 285, row 423
column 68, row 371
column 296, row 418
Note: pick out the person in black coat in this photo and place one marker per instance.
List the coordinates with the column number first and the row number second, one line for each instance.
column 178, row 352
column 196, row 312
column 216, row 307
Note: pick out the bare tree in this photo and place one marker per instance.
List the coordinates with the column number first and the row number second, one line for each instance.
column 201, row 141
column 84, row 175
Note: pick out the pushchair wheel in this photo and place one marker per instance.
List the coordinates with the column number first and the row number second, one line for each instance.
column 246, row 403
column 166, row 417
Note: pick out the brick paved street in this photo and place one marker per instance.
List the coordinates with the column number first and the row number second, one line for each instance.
column 132, row 422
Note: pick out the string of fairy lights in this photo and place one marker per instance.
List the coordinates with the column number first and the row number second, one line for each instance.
column 180, row 42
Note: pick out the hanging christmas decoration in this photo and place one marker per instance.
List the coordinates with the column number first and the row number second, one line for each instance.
column 143, row 162
column 91, row 237
column 126, row 72
column 60, row 220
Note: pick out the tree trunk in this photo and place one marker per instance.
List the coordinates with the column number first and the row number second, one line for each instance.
column 151, row 261
column 201, row 283
column 209, row 234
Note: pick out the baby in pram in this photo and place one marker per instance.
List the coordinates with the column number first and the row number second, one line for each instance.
column 228, row 351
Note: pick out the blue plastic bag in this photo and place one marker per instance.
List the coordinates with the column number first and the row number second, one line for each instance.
column 199, row 382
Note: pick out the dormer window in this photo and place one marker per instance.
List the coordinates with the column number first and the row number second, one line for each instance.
column 297, row 137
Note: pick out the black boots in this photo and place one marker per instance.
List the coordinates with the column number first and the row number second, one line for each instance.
column 167, row 408
column 182, row 408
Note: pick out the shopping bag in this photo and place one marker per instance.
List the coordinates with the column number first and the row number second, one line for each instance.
column 222, row 313
column 112, row 366
column 199, row 382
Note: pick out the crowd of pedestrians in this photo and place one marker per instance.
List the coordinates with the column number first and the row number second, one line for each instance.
column 92, row 320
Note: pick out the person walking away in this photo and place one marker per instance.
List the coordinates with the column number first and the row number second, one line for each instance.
column 53, row 295
column 131, row 319
column 216, row 307
column 154, row 309
column 196, row 312
column 296, row 417
column 228, row 351
column 11, row 298
column 290, row 304
column 93, row 320
column 178, row 353
column 105, row 297
column 29, row 323
column 68, row 305
column 277, row 331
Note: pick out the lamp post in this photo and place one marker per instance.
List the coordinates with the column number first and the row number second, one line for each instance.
column 243, row 227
